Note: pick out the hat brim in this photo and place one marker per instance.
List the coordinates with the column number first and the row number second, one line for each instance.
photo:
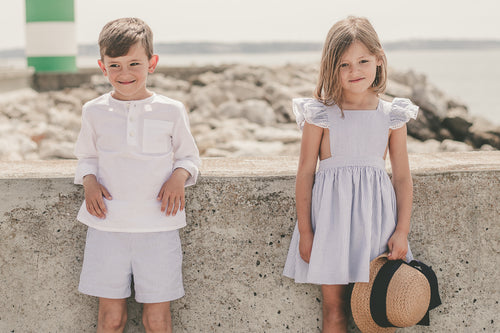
column 360, row 301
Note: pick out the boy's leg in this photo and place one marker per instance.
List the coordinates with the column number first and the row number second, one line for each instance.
column 157, row 269
column 112, row 315
column 156, row 317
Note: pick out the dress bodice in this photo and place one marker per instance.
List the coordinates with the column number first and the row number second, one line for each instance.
column 360, row 135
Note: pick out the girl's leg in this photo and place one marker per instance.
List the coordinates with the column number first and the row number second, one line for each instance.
column 156, row 317
column 112, row 315
column 334, row 309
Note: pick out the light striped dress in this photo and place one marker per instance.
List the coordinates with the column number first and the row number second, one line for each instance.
column 353, row 210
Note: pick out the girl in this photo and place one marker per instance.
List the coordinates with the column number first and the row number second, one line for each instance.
column 348, row 212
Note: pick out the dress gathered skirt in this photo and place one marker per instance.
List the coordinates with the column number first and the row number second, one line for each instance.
column 353, row 209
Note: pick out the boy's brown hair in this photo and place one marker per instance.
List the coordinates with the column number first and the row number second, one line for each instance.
column 119, row 35
column 339, row 38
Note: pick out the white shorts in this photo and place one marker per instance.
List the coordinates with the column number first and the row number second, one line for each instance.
column 154, row 259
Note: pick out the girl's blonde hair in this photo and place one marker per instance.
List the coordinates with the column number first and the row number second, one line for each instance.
column 339, row 38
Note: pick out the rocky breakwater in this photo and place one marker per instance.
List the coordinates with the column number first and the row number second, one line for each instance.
column 235, row 110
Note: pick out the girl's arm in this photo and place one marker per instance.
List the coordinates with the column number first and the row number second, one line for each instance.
column 403, row 186
column 309, row 150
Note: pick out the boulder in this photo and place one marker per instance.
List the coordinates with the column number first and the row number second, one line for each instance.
column 457, row 124
column 432, row 100
column 396, row 89
column 215, row 94
column 242, row 91
column 208, row 78
column 256, row 111
column 253, row 148
column 54, row 149
column 484, row 132
column 454, row 146
column 270, row 134
column 283, row 111
column 421, row 128
column 487, row 148
column 217, row 152
column 421, row 147
column 168, row 83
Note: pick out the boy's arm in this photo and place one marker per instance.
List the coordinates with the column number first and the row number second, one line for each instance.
column 186, row 163
column 172, row 192
column 86, row 170
column 186, row 154
column 94, row 192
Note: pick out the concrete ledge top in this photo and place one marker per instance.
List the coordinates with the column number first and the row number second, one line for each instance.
column 280, row 166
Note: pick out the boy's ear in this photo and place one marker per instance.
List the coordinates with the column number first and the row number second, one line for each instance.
column 153, row 62
column 102, row 67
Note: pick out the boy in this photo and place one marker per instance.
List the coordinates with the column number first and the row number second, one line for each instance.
column 135, row 156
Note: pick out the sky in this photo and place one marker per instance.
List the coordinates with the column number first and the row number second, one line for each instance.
column 271, row 20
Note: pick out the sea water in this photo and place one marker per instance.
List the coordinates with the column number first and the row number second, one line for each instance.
column 471, row 76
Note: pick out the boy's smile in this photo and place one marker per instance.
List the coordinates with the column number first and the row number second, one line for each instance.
column 126, row 82
column 127, row 74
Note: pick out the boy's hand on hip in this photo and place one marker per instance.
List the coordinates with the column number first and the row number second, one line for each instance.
column 172, row 192
column 94, row 193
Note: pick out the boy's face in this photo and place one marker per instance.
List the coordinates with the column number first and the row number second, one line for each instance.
column 127, row 74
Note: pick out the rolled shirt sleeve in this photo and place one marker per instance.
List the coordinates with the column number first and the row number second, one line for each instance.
column 186, row 154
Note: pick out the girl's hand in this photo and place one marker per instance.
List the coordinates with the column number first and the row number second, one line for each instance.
column 398, row 245
column 94, row 192
column 172, row 192
column 305, row 245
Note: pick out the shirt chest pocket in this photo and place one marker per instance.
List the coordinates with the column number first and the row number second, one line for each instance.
column 157, row 136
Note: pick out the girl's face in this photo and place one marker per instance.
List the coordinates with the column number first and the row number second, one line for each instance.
column 127, row 74
column 358, row 69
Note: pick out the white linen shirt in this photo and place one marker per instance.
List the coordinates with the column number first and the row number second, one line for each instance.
column 133, row 147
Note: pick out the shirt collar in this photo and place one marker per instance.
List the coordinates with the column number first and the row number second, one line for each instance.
column 116, row 105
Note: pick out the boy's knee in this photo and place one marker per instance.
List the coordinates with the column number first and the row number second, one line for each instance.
column 157, row 322
column 113, row 320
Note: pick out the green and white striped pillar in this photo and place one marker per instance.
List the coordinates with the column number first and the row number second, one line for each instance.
column 51, row 35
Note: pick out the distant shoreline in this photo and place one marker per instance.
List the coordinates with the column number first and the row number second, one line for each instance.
column 282, row 47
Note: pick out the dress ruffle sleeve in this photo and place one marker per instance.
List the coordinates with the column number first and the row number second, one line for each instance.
column 310, row 110
column 402, row 110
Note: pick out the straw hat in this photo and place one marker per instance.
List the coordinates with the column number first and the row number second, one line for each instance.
column 407, row 297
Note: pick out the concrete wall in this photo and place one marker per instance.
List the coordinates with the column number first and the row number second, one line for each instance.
column 241, row 216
